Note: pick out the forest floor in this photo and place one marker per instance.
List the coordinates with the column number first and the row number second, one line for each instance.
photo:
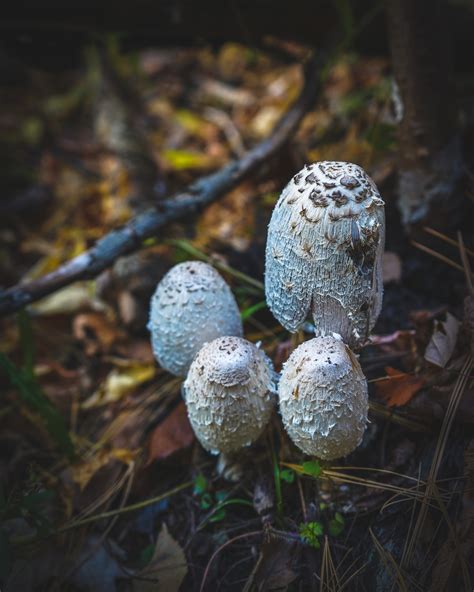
column 103, row 484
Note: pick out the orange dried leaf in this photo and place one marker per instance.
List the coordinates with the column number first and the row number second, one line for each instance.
column 173, row 434
column 398, row 388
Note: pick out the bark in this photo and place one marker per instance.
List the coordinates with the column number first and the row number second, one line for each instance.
column 429, row 148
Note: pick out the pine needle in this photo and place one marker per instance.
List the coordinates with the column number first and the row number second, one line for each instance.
column 429, row 493
column 446, row 239
column 437, row 255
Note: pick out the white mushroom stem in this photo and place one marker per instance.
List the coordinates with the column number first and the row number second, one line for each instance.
column 324, row 252
column 323, row 398
column 191, row 306
column 229, row 394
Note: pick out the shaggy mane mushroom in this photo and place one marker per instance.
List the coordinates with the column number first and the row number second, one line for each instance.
column 324, row 252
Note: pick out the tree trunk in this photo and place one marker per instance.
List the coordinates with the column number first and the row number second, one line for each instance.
column 430, row 157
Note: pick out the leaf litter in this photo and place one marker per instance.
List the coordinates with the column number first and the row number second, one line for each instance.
column 106, row 429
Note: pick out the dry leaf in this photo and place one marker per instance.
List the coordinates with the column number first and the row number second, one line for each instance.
column 264, row 121
column 399, row 387
column 167, row 568
column 78, row 296
column 95, row 332
column 82, row 472
column 120, row 383
column 391, row 267
column 173, row 434
column 443, row 341
column 230, row 221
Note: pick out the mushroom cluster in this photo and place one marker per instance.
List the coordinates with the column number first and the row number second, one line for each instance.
column 196, row 332
column 323, row 258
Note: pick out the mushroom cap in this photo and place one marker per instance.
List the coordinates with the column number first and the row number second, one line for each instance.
column 324, row 252
column 229, row 394
column 192, row 305
column 323, row 398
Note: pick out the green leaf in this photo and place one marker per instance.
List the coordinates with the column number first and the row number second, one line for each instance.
column 200, row 484
column 287, row 475
column 33, row 396
column 206, row 501
column 251, row 310
column 310, row 533
column 336, row 525
column 312, row 468
column 218, row 515
column 183, row 159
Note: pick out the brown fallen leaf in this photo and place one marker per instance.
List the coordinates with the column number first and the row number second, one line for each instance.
column 230, row 221
column 173, row 434
column 96, row 332
column 399, row 387
column 167, row 568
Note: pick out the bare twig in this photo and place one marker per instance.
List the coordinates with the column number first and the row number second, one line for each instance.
column 203, row 192
column 437, row 255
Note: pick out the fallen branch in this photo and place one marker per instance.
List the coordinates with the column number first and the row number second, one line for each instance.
column 203, row 192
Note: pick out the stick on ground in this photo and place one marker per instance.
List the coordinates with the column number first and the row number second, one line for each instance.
column 193, row 199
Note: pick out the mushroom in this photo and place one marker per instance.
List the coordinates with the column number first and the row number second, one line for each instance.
column 192, row 305
column 229, row 393
column 323, row 398
column 324, row 252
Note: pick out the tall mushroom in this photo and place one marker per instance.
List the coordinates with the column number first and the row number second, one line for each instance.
column 229, row 394
column 324, row 252
column 323, row 398
column 192, row 305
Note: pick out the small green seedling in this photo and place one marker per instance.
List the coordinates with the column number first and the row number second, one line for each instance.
column 310, row 533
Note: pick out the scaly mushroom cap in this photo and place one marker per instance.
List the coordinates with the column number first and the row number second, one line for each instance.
column 229, row 394
column 324, row 252
column 323, row 398
column 192, row 305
